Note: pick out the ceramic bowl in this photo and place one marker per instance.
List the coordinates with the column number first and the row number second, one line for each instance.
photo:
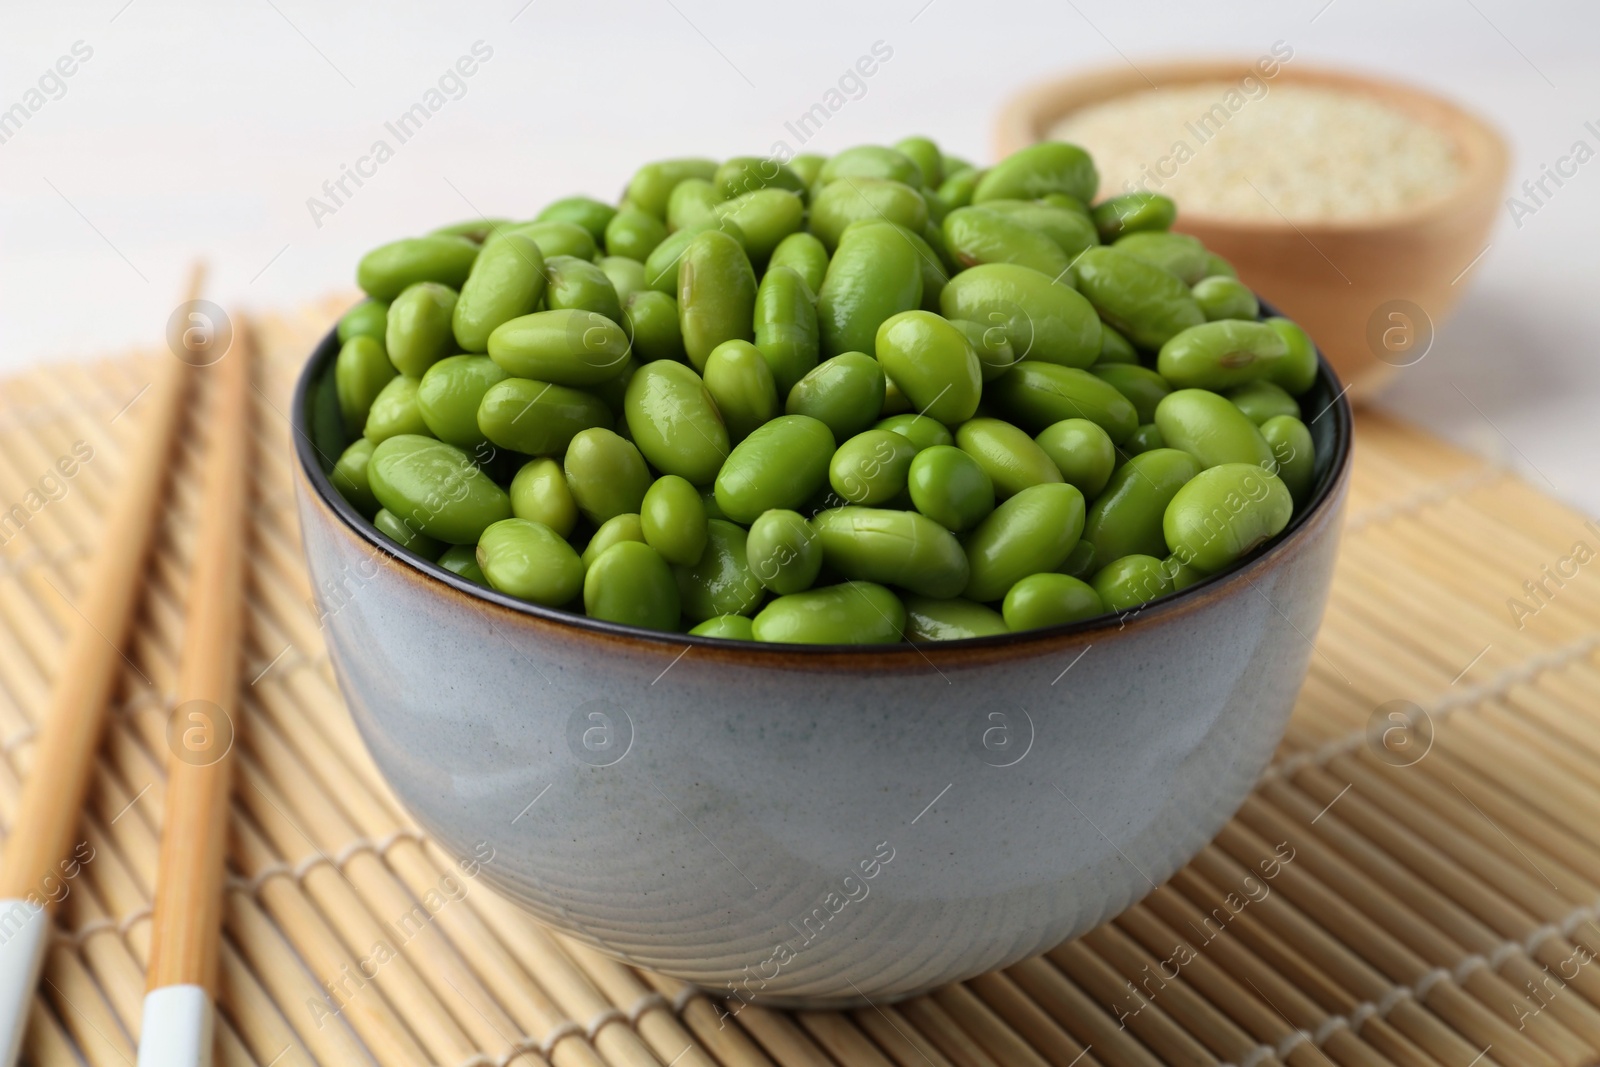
column 814, row 826
column 1345, row 282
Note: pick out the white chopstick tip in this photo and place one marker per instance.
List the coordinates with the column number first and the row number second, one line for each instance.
column 178, row 1027
column 24, row 935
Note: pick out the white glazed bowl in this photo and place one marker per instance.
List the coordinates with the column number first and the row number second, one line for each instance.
column 815, row 826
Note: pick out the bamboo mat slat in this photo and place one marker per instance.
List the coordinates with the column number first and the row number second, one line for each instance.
column 1440, row 913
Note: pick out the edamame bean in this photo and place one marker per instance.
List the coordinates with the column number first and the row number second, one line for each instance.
column 950, row 487
column 976, row 235
column 1030, row 173
column 1145, row 303
column 1224, row 514
column 1220, row 355
column 850, row 613
column 477, row 230
column 1221, row 297
column 956, row 190
column 1071, row 230
column 419, row 332
column 1211, row 429
column 930, row 262
column 1045, row 321
column 1126, row 583
column 625, row 275
column 394, row 411
column 1178, row 253
column 1049, row 600
column 925, row 154
column 923, row 431
column 781, row 465
column 463, row 560
column 634, row 233
column 720, row 582
column 932, row 363
column 1114, row 348
column 1297, row 371
column 1080, row 562
column 693, row 201
column 1126, row 517
column 1143, row 387
column 903, row 548
column 1144, row 439
column 538, row 418
column 391, row 527
column 740, row 381
column 606, row 474
column 1036, row 395
column 845, row 393
column 747, row 174
column 871, row 161
column 391, row 269
column 956, row 619
column 783, row 552
column 584, row 211
column 786, row 322
column 567, row 347
column 731, row 627
column 613, row 531
column 349, row 476
column 1011, row 459
column 803, row 254
column 1263, row 400
column 1183, row 575
column 675, row 423
column 716, row 295
column 539, row 493
column 653, row 183
column 1292, row 447
column 870, row 468
column 651, row 319
column 1082, row 452
column 449, row 395
column 435, row 488
column 874, row 274
column 507, row 280
column 530, row 561
column 360, row 372
column 369, row 318
column 1028, row 534
column 631, row 584
column 580, row 285
column 661, row 270
column 554, row 238
column 1133, row 212
column 990, row 344
column 853, row 199
column 767, row 217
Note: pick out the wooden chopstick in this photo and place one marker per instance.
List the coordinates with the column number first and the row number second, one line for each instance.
column 53, row 796
column 180, row 992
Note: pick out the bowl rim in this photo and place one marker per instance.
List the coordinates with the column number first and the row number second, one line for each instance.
column 1326, row 495
column 1026, row 114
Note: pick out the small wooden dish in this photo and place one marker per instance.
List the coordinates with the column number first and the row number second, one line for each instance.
column 1369, row 293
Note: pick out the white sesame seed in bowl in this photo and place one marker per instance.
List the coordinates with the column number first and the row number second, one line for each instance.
column 1338, row 196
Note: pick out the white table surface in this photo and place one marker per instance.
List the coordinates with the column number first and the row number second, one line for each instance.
column 203, row 129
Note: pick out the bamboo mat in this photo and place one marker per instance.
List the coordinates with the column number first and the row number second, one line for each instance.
column 1398, row 891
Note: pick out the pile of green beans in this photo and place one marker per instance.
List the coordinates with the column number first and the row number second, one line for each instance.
column 876, row 397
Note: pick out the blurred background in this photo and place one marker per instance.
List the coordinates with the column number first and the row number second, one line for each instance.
column 188, row 129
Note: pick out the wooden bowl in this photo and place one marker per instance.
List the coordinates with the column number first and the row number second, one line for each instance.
column 1369, row 293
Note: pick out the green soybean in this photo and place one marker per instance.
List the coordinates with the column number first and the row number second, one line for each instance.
column 463, row 560
column 925, row 154
column 614, row 531
column 662, row 269
column 930, row 263
column 394, row 411
column 716, row 295
column 1114, row 348
column 923, row 431
column 693, row 201
column 1147, row 304
column 956, row 190
column 730, row 627
column 606, row 474
column 928, row 619
column 1297, row 371
column 1211, row 429
column 1143, row 387
column 850, row 613
column 903, row 548
column 538, row 418
column 1217, row 267
column 1126, row 518
column 449, row 395
column 1220, row 355
column 1178, row 253
column 740, row 381
column 1263, row 400
column 1028, row 534
column 675, row 423
column 349, row 476
column 1221, row 297
column 1036, row 395
column 837, row 205
column 845, row 393
column 950, row 487
column 870, row 468
column 477, row 230
column 746, row 174
column 539, row 493
column 990, row 344
column 1145, row 438
column 1126, row 583
column 1049, row 600
column 367, row 319
column 1011, row 459
column 1030, row 173
column 1224, row 514
column 783, row 552
column 1071, row 230
column 976, row 235
column 767, row 217
column 435, row 488
column 651, row 319
column 554, row 238
column 580, row 285
column 786, row 324
column 405, row 536
column 567, row 347
column 360, row 372
column 874, row 275
column 1132, row 213
column 631, row 584
column 872, row 162
column 584, row 211
column 625, row 275
column 1082, row 452
column 932, row 363
column 781, row 465
column 634, row 233
column 720, row 582
column 389, row 270
column 1045, row 321
column 507, row 280
column 1295, row 453
column 653, row 183
column 1080, row 562
column 419, row 332
column 530, row 561
column 803, row 254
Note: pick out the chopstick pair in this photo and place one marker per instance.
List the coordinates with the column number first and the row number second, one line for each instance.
column 179, row 1008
